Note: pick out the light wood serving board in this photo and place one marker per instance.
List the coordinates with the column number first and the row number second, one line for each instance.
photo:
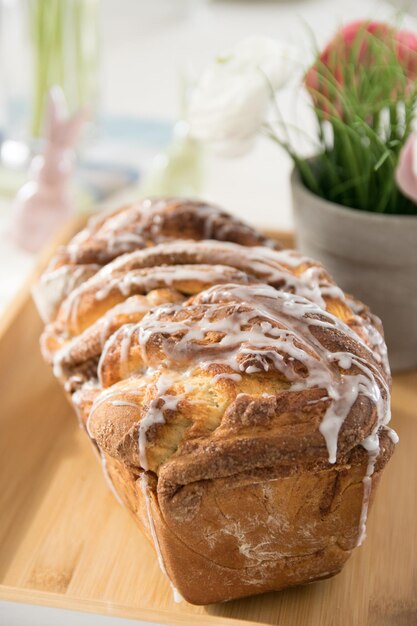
column 66, row 542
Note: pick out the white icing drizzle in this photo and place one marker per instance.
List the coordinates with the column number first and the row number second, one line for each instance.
column 77, row 397
column 392, row 435
column 54, row 286
column 128, row 307
column 143, row 481
column 289, row 257
column 69, row 308
column 75, row 244
column 228, row 375
column 105, row 322
column 152, row 415
column 372, row 446
column 108, row 479
column 109, row 395
column 126, row 332
column 122, row 241
column 124, row 403
column 346, row 394
column 155, row 414
column 374, row 337
column 271, row 266
column 152, row 278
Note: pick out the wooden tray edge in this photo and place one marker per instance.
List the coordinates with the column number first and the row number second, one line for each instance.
column 62, row 601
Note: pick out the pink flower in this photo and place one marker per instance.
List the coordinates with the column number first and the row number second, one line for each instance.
column 355, row 45
column 406, row 172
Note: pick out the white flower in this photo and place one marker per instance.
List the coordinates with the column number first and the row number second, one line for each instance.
column 230, row 101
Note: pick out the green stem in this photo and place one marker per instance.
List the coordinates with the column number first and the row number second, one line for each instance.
column 57, row 29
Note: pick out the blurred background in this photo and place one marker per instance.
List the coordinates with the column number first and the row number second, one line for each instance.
column 132, row 62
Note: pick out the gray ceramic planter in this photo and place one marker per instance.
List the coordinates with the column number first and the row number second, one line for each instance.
column 372, row 256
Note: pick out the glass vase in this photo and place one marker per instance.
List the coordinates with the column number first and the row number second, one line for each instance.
column 45, row 43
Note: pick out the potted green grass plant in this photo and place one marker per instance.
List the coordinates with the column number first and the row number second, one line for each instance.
column 355, row 198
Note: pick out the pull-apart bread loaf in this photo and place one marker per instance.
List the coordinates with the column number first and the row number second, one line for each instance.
column 238, row 398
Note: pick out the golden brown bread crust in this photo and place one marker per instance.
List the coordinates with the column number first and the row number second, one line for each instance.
column 293, row 528
column 238, row 396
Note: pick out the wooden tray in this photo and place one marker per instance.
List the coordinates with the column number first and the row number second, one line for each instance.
column 65, row 542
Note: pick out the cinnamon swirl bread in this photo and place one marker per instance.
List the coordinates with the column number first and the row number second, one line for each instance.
column 238, row 397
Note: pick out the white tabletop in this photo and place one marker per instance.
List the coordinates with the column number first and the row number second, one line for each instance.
column 145, row 47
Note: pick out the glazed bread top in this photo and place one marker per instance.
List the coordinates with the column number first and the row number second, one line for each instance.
column 196, row 359
column 133, row 227
column 240, row 376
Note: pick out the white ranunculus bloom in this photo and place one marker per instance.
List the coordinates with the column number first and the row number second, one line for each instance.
column 230, row 100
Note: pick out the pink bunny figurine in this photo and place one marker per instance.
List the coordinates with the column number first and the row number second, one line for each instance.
column 44, row 203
